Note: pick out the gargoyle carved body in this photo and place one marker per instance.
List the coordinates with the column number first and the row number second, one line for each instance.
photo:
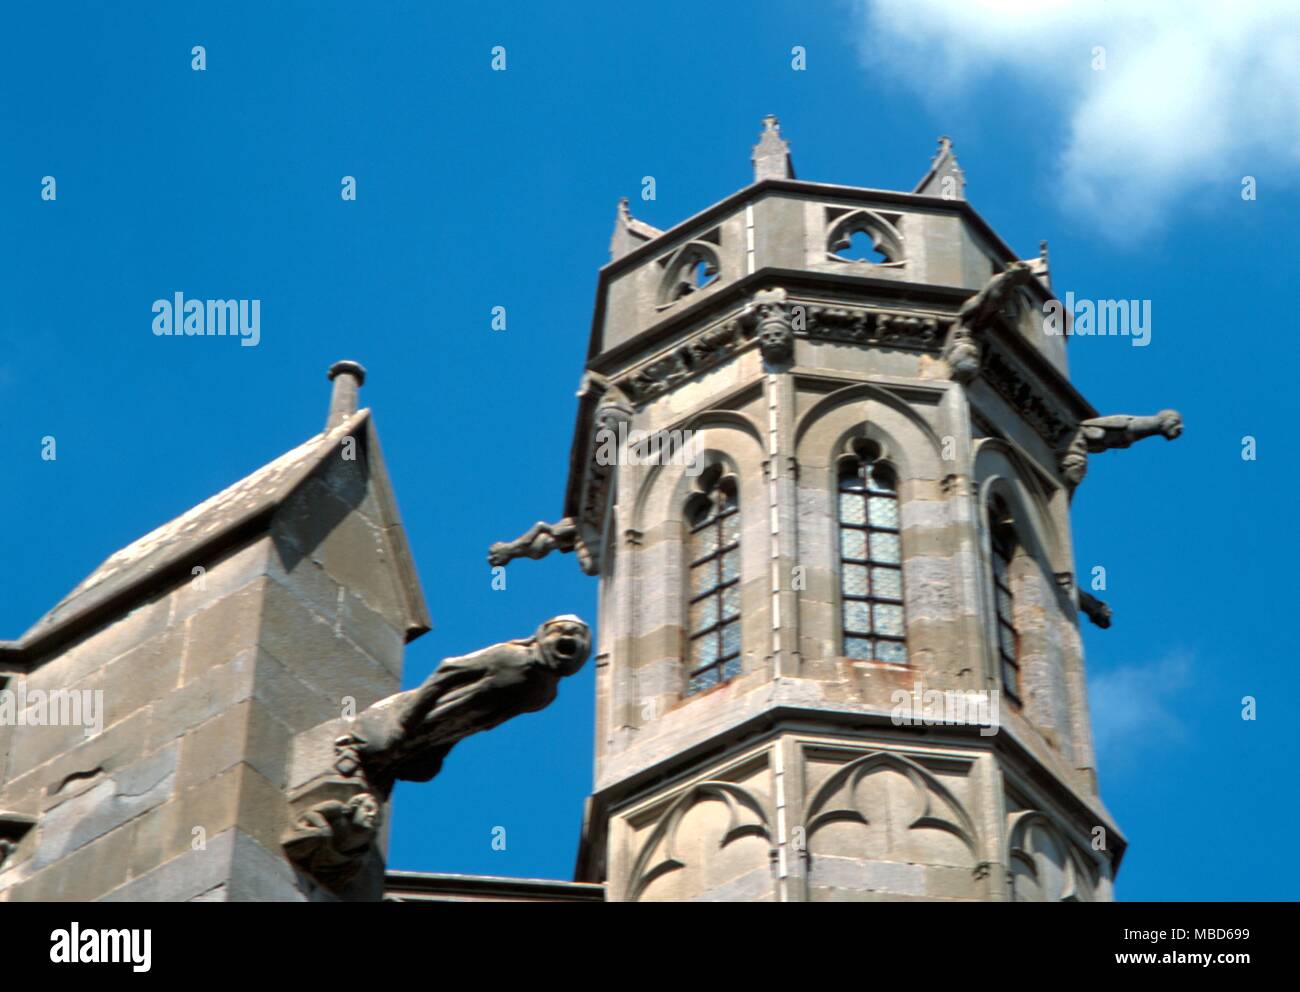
column 1116, row 431
column 963, row 351
column 539, row 541
column 1094, row 609
column 330, row 840
column 408, row 735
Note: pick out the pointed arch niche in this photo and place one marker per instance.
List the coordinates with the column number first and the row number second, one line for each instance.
column 693, row 268
column 1043, row 864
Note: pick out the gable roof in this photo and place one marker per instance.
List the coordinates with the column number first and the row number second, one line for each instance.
column 230, row 518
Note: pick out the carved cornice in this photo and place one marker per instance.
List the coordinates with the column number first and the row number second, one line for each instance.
column 883, row 328
column 721, row 340
column 701, row 351
column 1025, row 395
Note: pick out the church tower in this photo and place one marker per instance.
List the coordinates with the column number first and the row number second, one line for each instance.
column 823, row 464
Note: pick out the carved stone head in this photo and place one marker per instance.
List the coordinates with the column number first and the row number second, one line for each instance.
column 564, row 643
column 365, row 812
column 775, row 337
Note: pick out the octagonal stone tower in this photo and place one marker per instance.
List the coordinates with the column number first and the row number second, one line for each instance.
column 853, row 510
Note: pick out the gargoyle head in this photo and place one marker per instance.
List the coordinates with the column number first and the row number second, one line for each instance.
column 1171, row 423
column 564, row 643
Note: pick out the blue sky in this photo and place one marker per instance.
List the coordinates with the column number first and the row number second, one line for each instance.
column 480, row 188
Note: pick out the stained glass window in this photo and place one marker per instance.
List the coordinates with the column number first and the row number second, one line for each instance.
column 871, row 560
column 714, row 610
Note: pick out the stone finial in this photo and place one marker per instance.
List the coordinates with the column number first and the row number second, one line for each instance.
column 945, row 177
column 629, row 233
column 1042, row 266
column 772, row 153
column 347, row 377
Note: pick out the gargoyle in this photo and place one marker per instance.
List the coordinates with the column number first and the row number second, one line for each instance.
column 962, row 351
column 408, row 735
column 1117, row 431
column 539, row 541
column 1096, row 610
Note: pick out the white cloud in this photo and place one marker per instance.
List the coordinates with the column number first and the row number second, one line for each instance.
column 1133, row 707
column 1193, row 93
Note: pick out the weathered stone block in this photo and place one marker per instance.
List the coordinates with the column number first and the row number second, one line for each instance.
column 371, row 632
column 219, row 579
column 184, row 876
column 84, row 875
column 224, row 629
column 309, row 647
column 212, row 691
column 116, row 800
column 246, row 732
column 293, row 702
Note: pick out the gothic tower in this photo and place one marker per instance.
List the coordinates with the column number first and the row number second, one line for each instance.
column 838, row 636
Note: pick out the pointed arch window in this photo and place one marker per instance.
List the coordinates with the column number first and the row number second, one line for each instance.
column 1003, row 543
column 692, row 268
column 871, row 557
column 714, row 597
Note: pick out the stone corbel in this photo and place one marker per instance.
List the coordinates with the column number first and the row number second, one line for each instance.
column 774, row 326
